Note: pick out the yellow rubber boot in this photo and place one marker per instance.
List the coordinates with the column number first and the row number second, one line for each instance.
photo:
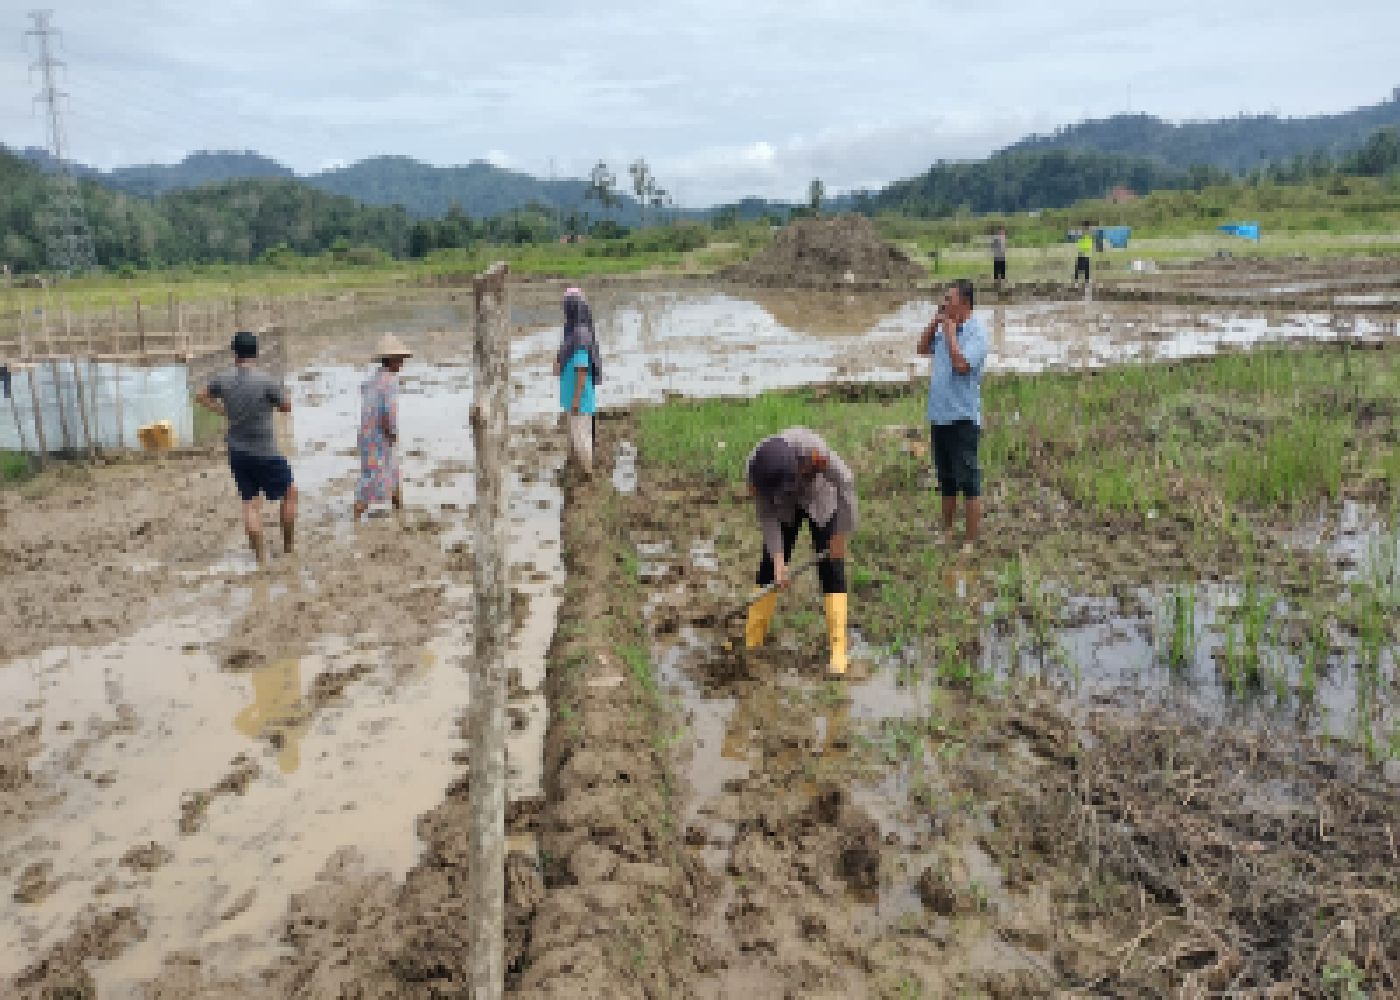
column 760, row 615
column 836, row 633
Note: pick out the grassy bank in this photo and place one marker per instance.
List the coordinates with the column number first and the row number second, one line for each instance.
column 659, row 250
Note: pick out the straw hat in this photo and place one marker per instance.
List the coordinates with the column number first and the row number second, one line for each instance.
column 390, row 346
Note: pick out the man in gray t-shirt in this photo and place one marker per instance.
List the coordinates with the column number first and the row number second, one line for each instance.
column 247, row 397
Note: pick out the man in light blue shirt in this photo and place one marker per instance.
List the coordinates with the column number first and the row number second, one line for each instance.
column 956, row 342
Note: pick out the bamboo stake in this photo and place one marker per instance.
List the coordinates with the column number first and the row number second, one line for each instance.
column 38, row 419
column 14, row 409
column 490, row 418
column 121, row 422
column 62, row 412
column 82, row 408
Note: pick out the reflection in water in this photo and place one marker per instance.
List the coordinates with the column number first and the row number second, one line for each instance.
column 277, row 712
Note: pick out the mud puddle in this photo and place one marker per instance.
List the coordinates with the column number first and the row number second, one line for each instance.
column 201, row 770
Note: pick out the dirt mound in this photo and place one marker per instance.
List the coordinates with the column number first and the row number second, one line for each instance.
column 844, row 251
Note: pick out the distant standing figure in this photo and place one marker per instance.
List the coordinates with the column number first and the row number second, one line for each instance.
column 999, row 255
column 379, row 429
column 956, row 344
column 1085, row 247
column 580, row 369
column 247, row 397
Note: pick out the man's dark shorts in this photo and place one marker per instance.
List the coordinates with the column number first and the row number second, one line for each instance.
column 955, row 458
column 254, row 474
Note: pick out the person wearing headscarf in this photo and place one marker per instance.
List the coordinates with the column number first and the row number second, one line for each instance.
column 580, row 369
column 379, row 429
column 794, row 478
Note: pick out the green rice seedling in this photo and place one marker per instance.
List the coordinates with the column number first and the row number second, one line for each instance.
column 1279, row 674
column 639, row 665
column 1234, row 661
column 1181, row 626
column 1254, row 614
column 1315, row 653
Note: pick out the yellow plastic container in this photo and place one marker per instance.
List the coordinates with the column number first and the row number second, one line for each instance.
column 159, row 436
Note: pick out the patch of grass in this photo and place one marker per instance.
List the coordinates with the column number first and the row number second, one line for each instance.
column 15, row 467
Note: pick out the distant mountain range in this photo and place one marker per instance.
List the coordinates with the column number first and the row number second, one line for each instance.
column 479, row 189
column 1121, row 149
column 1235, row 144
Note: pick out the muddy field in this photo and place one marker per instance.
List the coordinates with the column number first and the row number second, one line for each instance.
column 218, row 782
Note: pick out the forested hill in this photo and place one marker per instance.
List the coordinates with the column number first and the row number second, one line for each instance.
column 1235, row 144
column 1024, row 180
column 151, row 180
column 232, row 221
column 479, row 189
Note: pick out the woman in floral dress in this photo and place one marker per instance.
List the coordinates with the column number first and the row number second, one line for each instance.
column 379, row 429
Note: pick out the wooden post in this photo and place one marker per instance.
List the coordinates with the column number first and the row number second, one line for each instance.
column 490, row 416
column 38, row 418
column 170, row 311
column 140, row 329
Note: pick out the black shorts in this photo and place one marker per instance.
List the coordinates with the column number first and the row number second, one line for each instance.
column 955, row 460
column 832, row 572
column 999, row 269
column 1081, row 267
column 253, row 474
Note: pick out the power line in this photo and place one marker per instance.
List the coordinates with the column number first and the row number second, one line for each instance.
column 69, row 239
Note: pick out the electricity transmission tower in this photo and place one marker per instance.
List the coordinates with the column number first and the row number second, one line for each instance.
column 68, row 237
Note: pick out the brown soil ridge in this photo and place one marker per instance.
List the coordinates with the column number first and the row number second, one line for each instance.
column 610, row 922
column 843, row 251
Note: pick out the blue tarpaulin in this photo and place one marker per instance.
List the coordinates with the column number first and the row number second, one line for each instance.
column 1244, row 230
column 1116, row 236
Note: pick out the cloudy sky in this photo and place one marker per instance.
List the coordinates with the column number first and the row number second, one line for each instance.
column 723, row 97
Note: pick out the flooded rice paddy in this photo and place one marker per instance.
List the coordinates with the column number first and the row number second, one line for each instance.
column 201, row 756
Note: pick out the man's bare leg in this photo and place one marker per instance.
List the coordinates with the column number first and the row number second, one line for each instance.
column 252, row 524
column 950, row 507
column 396, row 498
column 973, row 510
column 289, row 519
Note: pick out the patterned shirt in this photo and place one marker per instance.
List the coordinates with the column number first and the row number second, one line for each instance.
column 249, row 396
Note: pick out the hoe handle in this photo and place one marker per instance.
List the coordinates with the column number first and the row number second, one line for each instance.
column 739, row 609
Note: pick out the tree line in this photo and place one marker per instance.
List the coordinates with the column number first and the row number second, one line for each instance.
column 245, row 221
